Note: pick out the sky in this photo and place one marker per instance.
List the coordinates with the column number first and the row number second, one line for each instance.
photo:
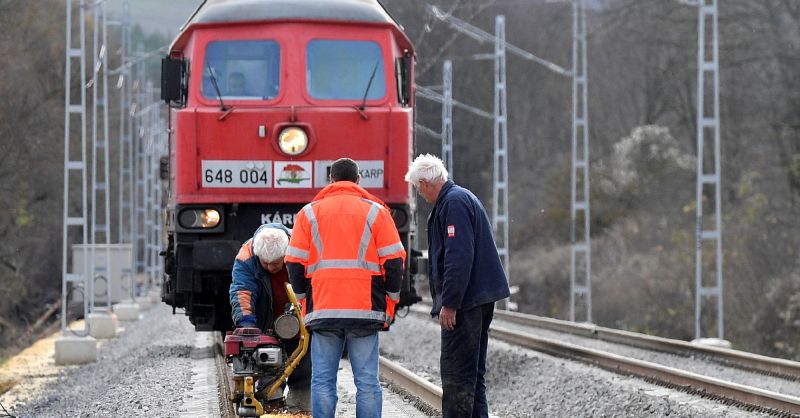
column 165, row 16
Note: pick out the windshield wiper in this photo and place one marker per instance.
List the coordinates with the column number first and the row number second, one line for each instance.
column 369, row 84
column 216, row 87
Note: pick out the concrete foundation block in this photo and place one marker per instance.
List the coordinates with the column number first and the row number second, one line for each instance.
column 713, row 342
column 101, row 325
column 144, row 303
column 155, row 297
column 127, row 311
column 70, row 349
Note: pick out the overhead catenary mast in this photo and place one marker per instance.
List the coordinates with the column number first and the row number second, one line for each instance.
column 707, row 186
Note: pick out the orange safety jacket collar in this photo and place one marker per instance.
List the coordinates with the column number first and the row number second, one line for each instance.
column 347, row 187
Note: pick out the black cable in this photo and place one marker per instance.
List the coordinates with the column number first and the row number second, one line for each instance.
column 5, row 412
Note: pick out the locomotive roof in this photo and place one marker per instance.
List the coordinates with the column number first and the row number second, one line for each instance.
column 212, row 11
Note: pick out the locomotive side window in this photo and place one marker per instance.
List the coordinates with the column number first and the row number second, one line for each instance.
column 242, row 70
column 345, row 70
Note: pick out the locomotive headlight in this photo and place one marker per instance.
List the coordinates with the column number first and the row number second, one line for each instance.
column 293, row 140
column 199, row 218
column 209, row 218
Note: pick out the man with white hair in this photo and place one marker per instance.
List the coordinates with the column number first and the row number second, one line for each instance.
column 258, row 296
column 467, row 278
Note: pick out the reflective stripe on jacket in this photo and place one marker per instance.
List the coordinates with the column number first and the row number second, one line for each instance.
column 344, row 238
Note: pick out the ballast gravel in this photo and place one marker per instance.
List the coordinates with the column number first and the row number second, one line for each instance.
column 527, row 383
column 144, row 372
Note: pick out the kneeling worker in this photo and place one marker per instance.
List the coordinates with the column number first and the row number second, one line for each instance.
column 258, row 296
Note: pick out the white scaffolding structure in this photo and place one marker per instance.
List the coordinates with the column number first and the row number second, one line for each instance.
column 74, row 165
column 708, row 126
column 126, row 150
column 124, row 84
column 500, row 183
column 137, row 121
column 101, row 200
column 580, row 243
column 447, row 116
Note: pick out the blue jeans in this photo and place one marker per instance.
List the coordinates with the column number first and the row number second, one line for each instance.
column 326, row 351
column 463, row 364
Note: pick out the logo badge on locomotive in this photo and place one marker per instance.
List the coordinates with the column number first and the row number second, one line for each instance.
column 293, row 174
column 371, row 172
column 278, row 217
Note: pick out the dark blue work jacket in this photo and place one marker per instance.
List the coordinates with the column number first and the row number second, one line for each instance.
column 464, row 269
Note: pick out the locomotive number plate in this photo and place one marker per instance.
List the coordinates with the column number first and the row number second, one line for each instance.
column 236, row 173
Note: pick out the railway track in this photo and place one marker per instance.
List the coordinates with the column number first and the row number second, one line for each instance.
column 225, row 406
column 428, row 395
column 747, row 361
column 749, row 397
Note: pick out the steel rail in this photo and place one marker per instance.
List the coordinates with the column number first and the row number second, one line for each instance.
column 741, row 359
column 225, row 404
column 762, row 399
column 425, row 391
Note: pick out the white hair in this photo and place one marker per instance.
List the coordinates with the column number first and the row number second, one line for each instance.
column 270, row 244
column 426, row 167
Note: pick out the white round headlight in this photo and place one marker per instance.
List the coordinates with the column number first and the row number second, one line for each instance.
column 199, row 218
column 209, row 218
column 293, row 140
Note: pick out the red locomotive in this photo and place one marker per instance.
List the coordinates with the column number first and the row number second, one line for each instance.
column 264, row 95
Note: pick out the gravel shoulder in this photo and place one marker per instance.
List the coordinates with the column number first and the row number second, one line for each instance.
column 144, row 372
column 526, row 383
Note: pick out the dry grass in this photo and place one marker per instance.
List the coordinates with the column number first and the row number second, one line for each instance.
column 6, row 385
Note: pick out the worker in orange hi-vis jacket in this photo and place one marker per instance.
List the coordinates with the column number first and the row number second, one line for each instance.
column 346, row 245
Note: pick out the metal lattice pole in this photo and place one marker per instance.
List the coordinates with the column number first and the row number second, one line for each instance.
column 500, row 189
column 708, row 124
column 158, row 151
column 447, row 116
column 74, row 166
column 147, row 177
column 125, row 168
column 137, row 237
column 150, row 186
column 126, row 181
column 581, row 246
column 100, row 204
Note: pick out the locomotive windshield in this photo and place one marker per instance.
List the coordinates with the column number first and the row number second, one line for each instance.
column 244, row 70
column 345, row 70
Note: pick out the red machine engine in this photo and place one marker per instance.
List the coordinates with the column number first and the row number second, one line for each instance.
column 253, row 353
column 259, row 363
